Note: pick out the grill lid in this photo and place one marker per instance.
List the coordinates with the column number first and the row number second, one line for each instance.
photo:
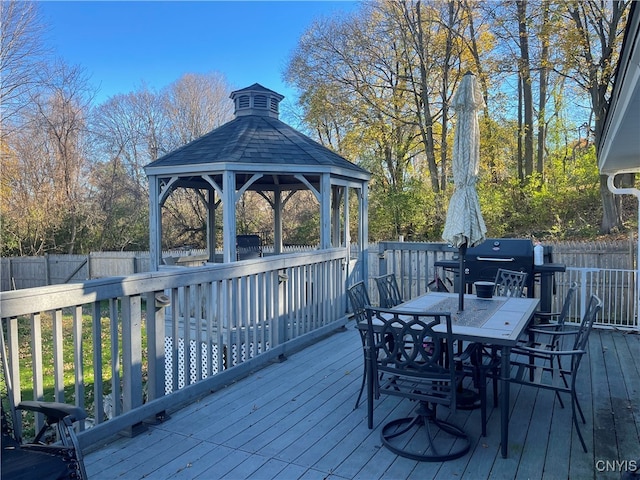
column 500, row 248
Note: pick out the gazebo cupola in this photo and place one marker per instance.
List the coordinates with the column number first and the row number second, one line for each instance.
column 256, row 100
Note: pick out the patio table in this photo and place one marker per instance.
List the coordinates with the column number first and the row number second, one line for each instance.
column 497, row 321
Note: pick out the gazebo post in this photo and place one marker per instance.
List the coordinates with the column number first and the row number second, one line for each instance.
column 347, row 230
column 277, row 221
column 155, row 225
column 335, row 215
column 211, row 224
column 363, row 234
column 325, row 211
column 229, row 216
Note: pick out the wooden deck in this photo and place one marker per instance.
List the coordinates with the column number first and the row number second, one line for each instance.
column 296, row 419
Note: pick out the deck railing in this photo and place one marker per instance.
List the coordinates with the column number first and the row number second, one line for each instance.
column 413, row 264
column 131, row 347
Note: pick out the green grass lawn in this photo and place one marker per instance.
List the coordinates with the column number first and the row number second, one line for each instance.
column 26, row 359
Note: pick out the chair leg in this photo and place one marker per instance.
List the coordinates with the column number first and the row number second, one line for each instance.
column 68, row 425
column 364, row 371
column 370, row 412
column 577, row 403
column 483, row 403
column 575, row 421
column 558, row 396
column 364, row 381
column 495, row 373
column 370, row 387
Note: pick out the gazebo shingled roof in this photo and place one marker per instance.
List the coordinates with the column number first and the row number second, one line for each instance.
column 255, row 139
column 263, row 154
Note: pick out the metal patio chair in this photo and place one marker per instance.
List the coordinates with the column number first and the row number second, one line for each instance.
column 406, row 358
column 39, row 459
column 248, row 246
column 359, row 298
column 509, row 283
column 546, row 332
column 547, row 373
column 388, row 290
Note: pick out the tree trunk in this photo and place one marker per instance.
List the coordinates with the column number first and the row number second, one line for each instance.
column 544, row 79
column 426, row 126
column 597, row 25
column 527, row 94
column 611, row 219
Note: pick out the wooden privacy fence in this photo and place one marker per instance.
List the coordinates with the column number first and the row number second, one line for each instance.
column 27, row 272
column 607, row 268
column 616, row 255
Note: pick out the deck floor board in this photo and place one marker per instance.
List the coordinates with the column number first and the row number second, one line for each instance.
column 296, row 420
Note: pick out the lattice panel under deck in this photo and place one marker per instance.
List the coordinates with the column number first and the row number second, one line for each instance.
column 206, row 358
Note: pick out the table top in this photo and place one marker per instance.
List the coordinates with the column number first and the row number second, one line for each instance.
column 498, row 320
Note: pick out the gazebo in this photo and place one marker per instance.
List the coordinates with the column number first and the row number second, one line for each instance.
column 257, row 152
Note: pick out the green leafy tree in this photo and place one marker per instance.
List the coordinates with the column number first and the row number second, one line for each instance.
column 592, row 45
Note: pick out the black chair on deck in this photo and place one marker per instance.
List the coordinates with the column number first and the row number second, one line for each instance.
column 483, row 361
column 509, row 283
column 544, row 335
column 406, row 358
column 359, row 298
column 546, row 331
column 548, row 372
column 38, row 459
column 388, row 290
column 248, row 247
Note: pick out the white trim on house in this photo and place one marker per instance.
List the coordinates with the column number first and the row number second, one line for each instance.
column 619, row 150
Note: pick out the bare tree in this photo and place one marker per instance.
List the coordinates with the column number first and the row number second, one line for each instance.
column 61, row 113
column 196, row 104
column 22, row 52
column 418, row 46
column 49, row 163
column 128, row 131
column 544, row 36
column 131, row 127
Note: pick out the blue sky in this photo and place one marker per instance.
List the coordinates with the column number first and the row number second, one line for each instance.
column 123, row 44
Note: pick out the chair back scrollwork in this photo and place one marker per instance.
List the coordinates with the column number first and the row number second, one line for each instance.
column 509, row 283
column 389, row 291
